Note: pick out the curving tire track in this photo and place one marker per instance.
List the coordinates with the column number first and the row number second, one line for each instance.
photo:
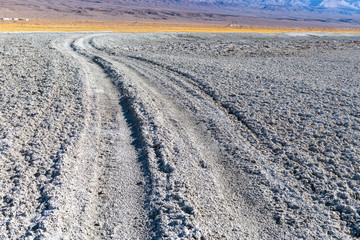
column 151, row 156
column 190, row 135
column 108, row 176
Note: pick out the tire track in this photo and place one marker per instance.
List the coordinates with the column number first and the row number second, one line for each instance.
column 251, row 133
column 107, row 176
column 171, row 215
column 203, row 161
column 250, row 129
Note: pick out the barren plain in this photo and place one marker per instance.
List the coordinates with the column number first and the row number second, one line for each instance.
column 153, row 27
column 179, row 136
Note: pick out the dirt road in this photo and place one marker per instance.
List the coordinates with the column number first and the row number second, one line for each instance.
column 176, row 136
column 187, row 181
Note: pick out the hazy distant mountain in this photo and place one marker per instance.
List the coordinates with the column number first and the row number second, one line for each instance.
column 350, row 4
column 316, row 13
column 338, row 6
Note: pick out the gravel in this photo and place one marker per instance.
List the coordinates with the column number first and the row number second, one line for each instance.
column 223, row 136
column 41, row 112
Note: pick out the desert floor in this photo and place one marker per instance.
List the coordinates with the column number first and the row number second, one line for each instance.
column 179, row 136
column 159, row 27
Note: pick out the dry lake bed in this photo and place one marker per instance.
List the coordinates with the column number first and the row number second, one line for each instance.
column 179, row 136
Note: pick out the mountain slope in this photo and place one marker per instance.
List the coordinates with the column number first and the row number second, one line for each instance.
column 295, row 13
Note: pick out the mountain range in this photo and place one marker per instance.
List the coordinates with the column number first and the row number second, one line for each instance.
column 317, row 13
column 320, row 4
column 342, row 7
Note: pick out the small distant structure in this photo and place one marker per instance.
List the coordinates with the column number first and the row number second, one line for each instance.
column 14, row 19
column 234, row 25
